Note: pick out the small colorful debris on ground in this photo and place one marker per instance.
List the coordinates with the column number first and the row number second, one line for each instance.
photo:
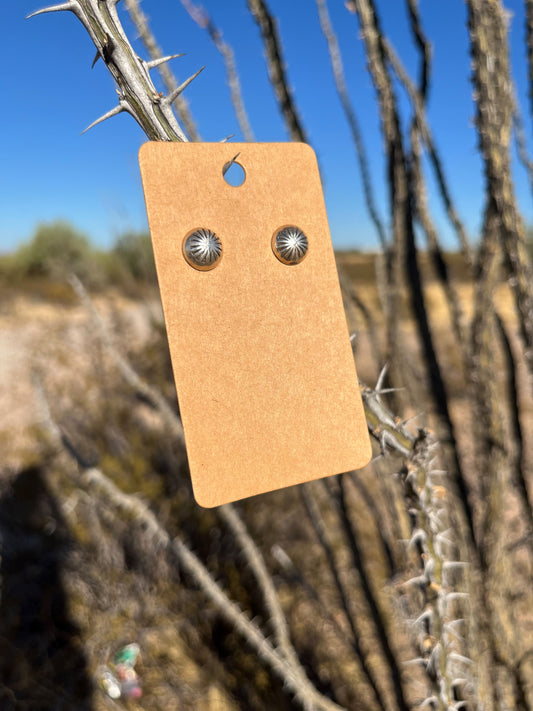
column 119, row 678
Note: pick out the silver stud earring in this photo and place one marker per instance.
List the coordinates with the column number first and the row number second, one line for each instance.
column 290, row 245
column 202, row 249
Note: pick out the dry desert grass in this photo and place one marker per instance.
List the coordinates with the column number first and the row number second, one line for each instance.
column 106, row 588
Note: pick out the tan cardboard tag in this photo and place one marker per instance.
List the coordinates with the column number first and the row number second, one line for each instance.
column 264, row 370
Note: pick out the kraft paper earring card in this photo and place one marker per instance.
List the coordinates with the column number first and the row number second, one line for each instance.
column 264, row 370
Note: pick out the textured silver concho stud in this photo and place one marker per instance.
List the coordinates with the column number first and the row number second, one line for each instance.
column 290, row 245
column 202, row 249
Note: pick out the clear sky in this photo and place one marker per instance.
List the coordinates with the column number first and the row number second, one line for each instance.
column 50, row 94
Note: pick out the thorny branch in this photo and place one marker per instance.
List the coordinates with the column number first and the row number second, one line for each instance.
column 98, row 484
column 418, row 132
column 158, row 60
column 136, row 91
column 276, row 69
column 404, row 267
column 321, row 532
column 495, row 103
column 429, row 142
column 351, row 117
column 204, row 20
column 140, row 386
column 457, row 316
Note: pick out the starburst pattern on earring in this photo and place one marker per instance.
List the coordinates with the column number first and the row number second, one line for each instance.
column 290, row 245
column 202, row 249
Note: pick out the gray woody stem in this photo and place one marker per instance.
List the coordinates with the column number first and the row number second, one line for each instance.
column 136, row 91
column 284, row 649
column 277, row 71
column 102, row 488
column 158, row 60
column 351, row 117
column 203, row 20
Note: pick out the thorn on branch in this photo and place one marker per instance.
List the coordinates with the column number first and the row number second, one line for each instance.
column 178, row 90
column 106, row 52
column 417, row 538
column 228, row 165
column 152, row 64
column 53, row 8
column 116, row 110
column 405, row 422
column 381, row 378
column 461, row 659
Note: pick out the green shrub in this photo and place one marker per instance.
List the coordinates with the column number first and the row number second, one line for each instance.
column 56, row 250
column 133, row 251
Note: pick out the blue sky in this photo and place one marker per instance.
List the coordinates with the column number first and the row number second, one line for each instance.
column 50, row 94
